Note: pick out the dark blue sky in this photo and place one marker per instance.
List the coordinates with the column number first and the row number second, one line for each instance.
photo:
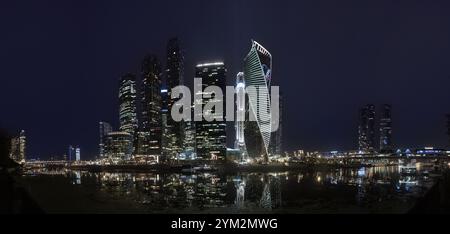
column 61, row 61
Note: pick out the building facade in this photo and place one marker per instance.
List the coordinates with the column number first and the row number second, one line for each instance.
column 210, row 135
column 119, row 146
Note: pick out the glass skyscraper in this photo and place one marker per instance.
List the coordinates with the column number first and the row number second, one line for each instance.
column 210, row 136
column 104, row 129
column 18, row 147
column 239, row 120
column 386, row 129
column 257, row 75
column 149, row 142
column 174, row 77
column 127, row 104
column 366, row 129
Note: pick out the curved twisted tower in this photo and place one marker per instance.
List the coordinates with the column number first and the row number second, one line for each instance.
column 257, row 74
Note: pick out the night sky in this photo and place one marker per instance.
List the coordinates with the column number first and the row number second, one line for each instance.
column 61, row 61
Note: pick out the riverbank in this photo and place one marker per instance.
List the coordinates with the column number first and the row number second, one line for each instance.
column 437, row 199
column 218, row 168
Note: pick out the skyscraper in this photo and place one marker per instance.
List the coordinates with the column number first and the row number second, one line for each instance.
column 164, row 128
column 366, row 129
column 151, row 102
column 18, row 147
column 71, row 153
column 77, row 154
column 174, row 77
column 448, row 126
column 385, row 129
column 276, row 144
column 104, row 129
column 127, row 104
column 239, row 120
column 257, row 75
column 210, row 135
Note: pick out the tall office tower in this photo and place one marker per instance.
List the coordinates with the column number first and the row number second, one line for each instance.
column 151, row 102
column 276, row 143
column 257, row 75
column 448, row 126
column 127, row 104
column 239, row 120
column 18, row 147
column 386, row 129
column 77, row 154
column 174, row 77
column 211, row 135
column 104, row 129
column 164, row 128
column 71, row 153
column 366, row 129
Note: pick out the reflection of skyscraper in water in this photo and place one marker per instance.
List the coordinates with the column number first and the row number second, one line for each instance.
column 266, row 197
column 240, row 193
column 276, row 192
column 77, row 177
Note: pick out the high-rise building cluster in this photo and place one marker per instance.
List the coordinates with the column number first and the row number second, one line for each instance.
column 149, row 134
column 74, row 153
column 367, row 133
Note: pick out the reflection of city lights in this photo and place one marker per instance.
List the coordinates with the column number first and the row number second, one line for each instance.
column 318, row 179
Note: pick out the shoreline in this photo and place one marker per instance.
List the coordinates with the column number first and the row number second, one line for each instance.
column 222, row 169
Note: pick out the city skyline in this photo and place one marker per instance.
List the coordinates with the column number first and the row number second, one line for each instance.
column 325, row 85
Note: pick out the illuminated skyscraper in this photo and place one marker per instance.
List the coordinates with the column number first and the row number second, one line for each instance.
column 151, row 102
column 18, row 147
column 448, row 126
column 211, row 135
column 276, row 143
column 104, row 129
column 164, row 128
column 366, row 129
column 257, row 75
column 127, row 104
column 71, row 153
column 174, row 77
column 239, row 120
column 77, row 154
column 386, row 129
